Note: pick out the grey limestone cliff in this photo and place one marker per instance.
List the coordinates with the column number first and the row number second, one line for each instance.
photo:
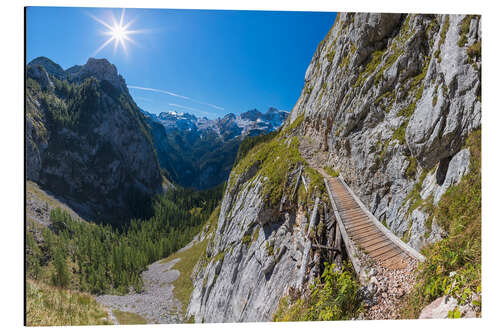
column 392, row 98
column 87, row 141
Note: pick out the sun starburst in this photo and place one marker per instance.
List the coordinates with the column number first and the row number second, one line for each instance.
column 118, row 31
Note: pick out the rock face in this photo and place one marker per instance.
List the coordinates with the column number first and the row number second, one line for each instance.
column 390, row 100
column 199, row 152
column 87, row 142
column 256, row 254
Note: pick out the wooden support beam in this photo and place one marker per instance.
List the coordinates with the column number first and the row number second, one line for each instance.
column 325, row 247
column 304, row 181
column 297, row 182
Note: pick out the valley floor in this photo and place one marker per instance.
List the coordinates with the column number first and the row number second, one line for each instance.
column 156, row 304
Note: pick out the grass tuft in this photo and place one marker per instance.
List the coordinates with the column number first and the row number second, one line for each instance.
column 129, row 318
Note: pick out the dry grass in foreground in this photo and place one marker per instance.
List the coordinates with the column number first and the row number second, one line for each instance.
column 128, row 318
column 50, row 306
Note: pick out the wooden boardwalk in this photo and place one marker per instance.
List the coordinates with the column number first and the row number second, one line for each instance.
column 364, row 231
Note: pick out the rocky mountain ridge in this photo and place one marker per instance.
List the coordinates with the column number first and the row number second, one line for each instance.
column 252, row 122
column 87, row 141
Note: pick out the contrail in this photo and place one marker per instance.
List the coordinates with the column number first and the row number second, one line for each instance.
column 166, row 92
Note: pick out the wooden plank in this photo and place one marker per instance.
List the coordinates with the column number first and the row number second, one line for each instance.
column 297, row 182
column 313, row 219
column 375, row 233
column 378, row 252
column 374, row 241
column 378, row 245
column 363, row 234
column 358, row 221
column 397, row 262
column 346, row 217
column 353, row 212
column 358, row 230
column 359, row 227
column 387, row 255
column 304, row 181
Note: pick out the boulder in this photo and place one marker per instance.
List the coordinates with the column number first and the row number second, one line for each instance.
column 439, row 308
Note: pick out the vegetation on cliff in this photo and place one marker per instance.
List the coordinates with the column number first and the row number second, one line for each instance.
column 274, row 159
column 453, row 265
column 334, row 296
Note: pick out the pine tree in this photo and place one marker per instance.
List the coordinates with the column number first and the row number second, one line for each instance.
column 60, row 277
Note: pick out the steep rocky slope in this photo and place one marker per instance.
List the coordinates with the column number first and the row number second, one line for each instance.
column 392, row 98
column 87, row 141
column 200, row 152
column 389, row 101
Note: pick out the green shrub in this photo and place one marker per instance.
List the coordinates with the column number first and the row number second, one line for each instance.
column 442, row 37
column 333, row 173
column 474, row 51
column 129, row 318
column 247, row 239
column 274, row 159
column 411, row 170
column 251, row 141
column 334, row 296
column 464, row 30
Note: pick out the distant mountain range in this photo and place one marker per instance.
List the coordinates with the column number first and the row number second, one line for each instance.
column 252, row 122
column 199, row 152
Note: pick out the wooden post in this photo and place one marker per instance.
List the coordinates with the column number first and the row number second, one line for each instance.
column 338, row 246
column 297, row 182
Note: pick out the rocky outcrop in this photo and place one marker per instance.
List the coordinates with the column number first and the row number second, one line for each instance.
column 254, row 258
column 87, row 142
column 100, row 69
column 392, row 98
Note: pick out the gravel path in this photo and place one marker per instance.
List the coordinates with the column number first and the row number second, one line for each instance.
column 389, row 287
column 157, row 303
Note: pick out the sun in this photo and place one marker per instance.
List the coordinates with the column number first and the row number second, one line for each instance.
column 118, row 31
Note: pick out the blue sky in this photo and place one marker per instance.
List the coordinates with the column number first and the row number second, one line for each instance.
column 208, row 63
